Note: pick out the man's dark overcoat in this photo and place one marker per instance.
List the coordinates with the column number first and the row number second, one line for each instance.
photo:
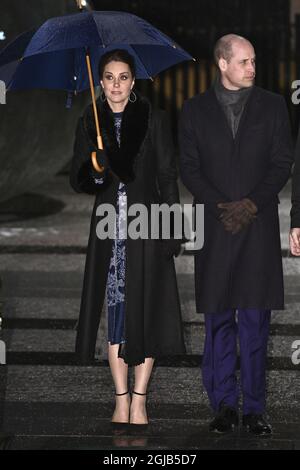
column 242, row 270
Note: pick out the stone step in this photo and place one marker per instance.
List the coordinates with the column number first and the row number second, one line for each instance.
column 94, row 384
column 56, row 262
column 41, row 308
column 37, row 358
column 190, row 412
column 167, row 421
column 68, row 309
column 57, row 284
column 9, row 324
column 57, row 340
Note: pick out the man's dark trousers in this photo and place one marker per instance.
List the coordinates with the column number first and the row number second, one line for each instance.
column 220, row 358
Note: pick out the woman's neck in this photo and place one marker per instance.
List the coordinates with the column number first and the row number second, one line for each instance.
column 117, row 107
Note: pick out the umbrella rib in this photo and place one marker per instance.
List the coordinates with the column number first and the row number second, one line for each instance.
column 149, row 76
column 100, row 33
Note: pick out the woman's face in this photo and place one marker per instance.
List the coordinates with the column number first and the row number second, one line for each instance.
column 117, row 83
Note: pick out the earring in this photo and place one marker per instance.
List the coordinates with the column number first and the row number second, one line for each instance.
column 132, row 97
column 102, row 95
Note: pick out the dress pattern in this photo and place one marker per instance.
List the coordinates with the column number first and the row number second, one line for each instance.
column 115, row 287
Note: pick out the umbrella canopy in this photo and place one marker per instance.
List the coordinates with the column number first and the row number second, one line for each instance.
column 54, row 56
column 59, row 53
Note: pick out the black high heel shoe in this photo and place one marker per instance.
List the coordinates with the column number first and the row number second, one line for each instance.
column 120, row 425
column 142, row 426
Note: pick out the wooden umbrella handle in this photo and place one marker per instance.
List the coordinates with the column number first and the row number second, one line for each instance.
column 97, row 167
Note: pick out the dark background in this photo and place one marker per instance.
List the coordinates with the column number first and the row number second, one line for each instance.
column 197, row 24
column 36, row 129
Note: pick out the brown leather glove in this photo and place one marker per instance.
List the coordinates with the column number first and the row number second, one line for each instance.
column 237, row 214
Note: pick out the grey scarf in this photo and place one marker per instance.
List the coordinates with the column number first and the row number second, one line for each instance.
column 233, row 103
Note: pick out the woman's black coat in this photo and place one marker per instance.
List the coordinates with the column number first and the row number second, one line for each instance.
column 242, row 270
column 145, row 162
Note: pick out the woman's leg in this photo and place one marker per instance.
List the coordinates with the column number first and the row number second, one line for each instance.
column 142, row 373
column 119, row 372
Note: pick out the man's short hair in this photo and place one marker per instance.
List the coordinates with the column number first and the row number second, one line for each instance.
column 223, row 47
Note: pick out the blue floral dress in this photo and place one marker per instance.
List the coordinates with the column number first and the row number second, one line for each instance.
column 115, row 287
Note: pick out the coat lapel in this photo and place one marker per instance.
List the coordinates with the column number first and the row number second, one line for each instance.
column 250, row 113
column 217, row 116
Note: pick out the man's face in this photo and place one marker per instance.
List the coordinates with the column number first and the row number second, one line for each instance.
column 240, row 71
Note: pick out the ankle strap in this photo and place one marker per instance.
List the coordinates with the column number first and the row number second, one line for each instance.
column 137, row 393
column 120, row 394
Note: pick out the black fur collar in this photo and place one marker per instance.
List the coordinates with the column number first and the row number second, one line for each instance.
column 135, row 123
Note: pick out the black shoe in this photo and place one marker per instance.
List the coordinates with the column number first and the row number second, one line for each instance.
column 116, row 425
column 256, row 424
column 139, row 426
column 225, row 421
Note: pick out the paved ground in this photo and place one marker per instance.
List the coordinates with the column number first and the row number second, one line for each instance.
column 48, row 402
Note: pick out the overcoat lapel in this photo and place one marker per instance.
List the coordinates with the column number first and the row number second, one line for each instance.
column 250, row 114
column 218, row 118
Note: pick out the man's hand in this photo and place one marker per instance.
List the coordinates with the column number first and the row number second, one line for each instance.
column 237, row 214
column 295, row 241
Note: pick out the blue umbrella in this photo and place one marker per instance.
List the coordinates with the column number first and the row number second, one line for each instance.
column 58, row 48
column 56, row 55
